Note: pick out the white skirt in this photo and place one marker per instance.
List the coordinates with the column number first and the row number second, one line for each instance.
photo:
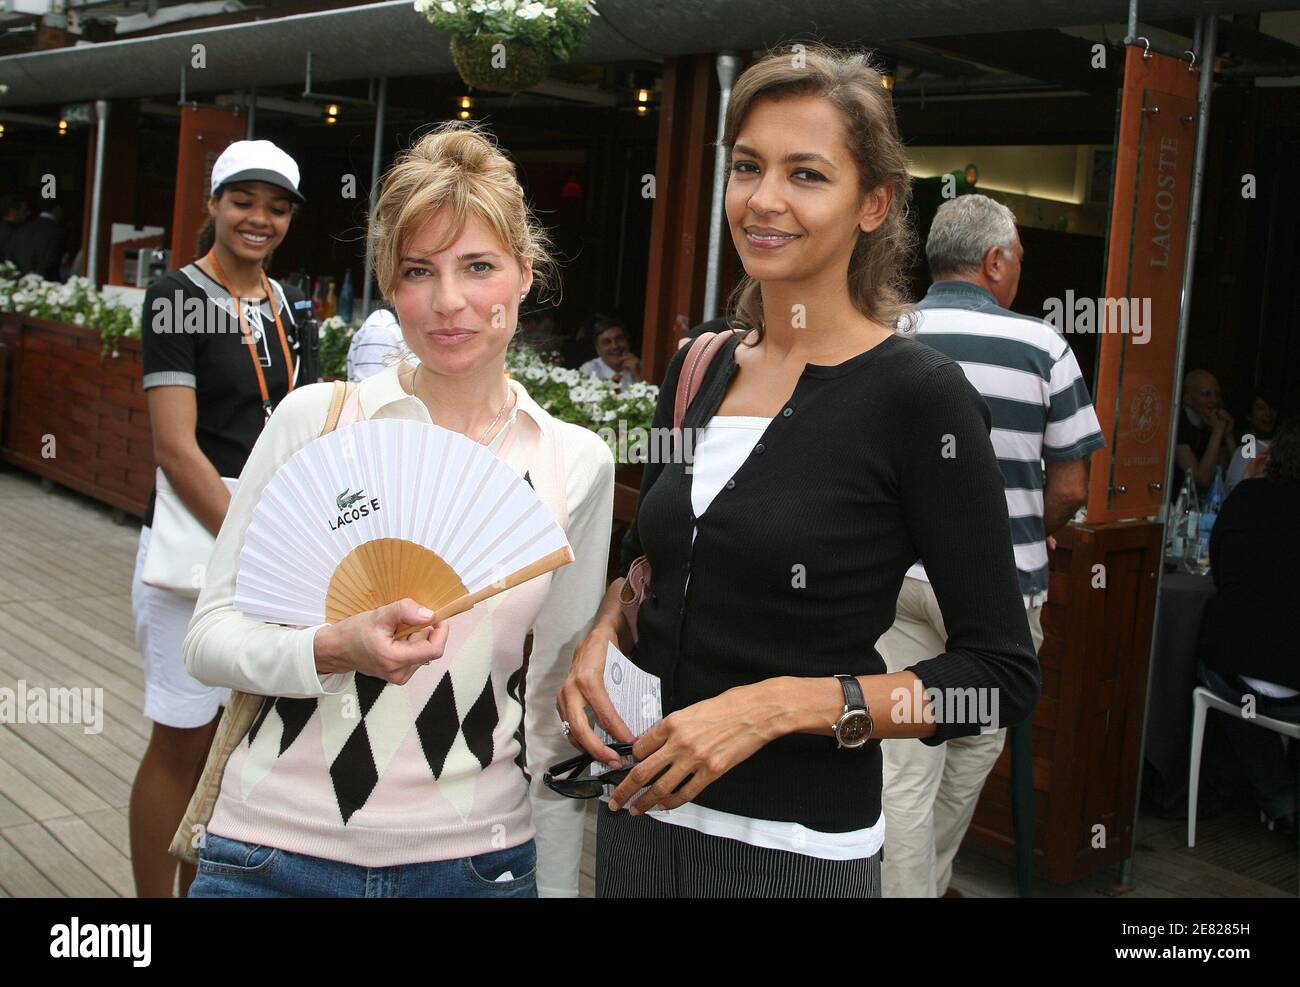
column 172, row 696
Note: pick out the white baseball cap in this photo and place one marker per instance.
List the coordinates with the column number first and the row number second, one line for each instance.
column 256, row 161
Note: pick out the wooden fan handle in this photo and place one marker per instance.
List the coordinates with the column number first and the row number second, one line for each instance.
column 560, row 557
column 406, row 630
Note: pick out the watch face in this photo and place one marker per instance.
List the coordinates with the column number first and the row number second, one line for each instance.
column 854, row 729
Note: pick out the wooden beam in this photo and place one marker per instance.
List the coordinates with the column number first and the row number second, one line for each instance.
column 679, row 227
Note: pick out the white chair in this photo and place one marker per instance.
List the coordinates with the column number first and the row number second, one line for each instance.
column 1203, row 700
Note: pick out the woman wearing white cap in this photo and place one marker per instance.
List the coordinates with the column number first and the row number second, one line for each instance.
column 223, row 344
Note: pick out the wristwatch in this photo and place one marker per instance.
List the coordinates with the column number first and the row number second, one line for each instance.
column 855, row 726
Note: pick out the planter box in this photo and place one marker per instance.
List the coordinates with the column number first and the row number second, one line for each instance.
column 73, row 418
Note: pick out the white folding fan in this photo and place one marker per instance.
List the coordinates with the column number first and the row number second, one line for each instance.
column 387, row 509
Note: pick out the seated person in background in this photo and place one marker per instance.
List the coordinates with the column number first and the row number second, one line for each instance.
column 376, row 344
column 614, row 361
column 1205, row 438
column 540, row 332
column 1261, row 422
column 1248, row 643
column 578, row 348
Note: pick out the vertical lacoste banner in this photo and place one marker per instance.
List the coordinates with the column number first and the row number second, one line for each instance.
column 1144, row 271
column 205, row 133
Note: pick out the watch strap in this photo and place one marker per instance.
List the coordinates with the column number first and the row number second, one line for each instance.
column 853, row 697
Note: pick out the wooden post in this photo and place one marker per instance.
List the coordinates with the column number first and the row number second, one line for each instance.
column 1087, row 727
column 679, row 226
column 205, row 133
column 1144, row 265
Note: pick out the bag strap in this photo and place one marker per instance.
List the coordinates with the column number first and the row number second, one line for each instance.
column 243, row 708
column 345, row 406
column 703, row 349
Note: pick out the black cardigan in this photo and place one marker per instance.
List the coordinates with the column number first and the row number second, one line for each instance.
column 1249, row 624
column 797, row 564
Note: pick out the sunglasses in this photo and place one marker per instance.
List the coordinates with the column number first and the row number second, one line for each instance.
column 566, row 778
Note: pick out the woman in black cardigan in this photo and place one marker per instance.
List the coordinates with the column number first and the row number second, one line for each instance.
column 833, row 453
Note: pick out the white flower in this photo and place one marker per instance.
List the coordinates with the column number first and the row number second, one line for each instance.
column 478, row 7
column 449, row 6
column 79, row 319
column 548, row 12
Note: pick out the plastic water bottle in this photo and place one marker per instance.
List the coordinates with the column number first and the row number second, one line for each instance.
column 1191, row 526
column 1213, row 502
column 1175, row 528
column 345, row 298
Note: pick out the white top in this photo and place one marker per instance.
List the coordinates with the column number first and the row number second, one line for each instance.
column 375, row 345
column 720, row 450
column 1270, row 689
column 1239, row 462
column 597, row 367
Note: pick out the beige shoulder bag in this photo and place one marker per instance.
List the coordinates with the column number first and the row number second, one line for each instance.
column 241, row 712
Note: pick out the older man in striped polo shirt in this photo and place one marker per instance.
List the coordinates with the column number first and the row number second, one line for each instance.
column 1041, row 413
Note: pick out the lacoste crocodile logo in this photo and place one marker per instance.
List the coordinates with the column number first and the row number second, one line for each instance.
column 346, row 499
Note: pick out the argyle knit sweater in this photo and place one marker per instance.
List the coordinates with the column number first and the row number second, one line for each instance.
column 351, row 768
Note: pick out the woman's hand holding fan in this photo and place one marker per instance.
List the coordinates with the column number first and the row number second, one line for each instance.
column 367, row 642
column 383, row 514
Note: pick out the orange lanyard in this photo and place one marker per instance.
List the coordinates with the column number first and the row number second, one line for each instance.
column 211, row 258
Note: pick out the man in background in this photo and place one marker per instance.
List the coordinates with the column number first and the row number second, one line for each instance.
column 375, row 345
column 1205, row 440
column 37, row 246
column 614, row 361
column 1040, row 411
column 13, row 213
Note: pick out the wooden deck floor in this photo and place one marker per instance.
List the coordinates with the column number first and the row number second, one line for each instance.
column 65, row 621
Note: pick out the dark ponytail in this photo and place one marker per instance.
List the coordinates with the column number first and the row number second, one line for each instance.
column 207, row 236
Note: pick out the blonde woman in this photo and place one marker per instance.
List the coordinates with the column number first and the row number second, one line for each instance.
column 832, row 453
column 427, row 793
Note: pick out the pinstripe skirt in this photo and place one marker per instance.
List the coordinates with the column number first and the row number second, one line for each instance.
column 641, row 857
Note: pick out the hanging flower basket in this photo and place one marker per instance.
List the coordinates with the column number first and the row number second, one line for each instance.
column 510, row 68
column 508, row 45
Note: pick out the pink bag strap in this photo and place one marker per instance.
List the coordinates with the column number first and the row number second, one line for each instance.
column 351, row 406
column 703, row 349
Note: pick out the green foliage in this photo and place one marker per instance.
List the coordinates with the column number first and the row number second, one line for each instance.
column 335, row 338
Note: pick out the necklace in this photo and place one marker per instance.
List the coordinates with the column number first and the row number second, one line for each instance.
column 249, row 337
column 504, row 404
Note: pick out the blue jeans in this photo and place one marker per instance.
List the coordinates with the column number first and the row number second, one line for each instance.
column 234, row 869
column 1259, row 752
